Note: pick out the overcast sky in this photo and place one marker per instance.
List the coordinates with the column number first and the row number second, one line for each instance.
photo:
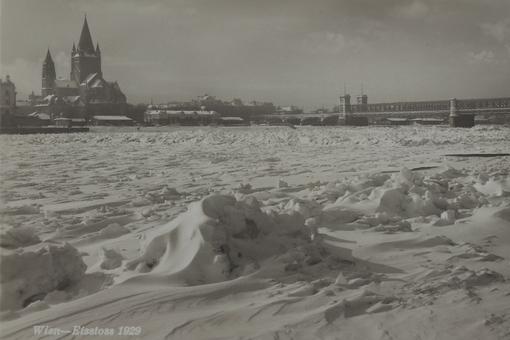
column 286, row 51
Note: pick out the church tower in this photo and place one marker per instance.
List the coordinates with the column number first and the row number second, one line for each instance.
column 48, row 75
column 85, row 60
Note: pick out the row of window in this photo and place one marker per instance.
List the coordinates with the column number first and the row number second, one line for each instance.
column 477, row 104
column 401, row 107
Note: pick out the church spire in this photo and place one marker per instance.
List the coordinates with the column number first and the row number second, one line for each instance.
column 48, row 75
column 98, row 51
column 49, row 59
column 85, row 44
column 73, row 51
column 86, row 60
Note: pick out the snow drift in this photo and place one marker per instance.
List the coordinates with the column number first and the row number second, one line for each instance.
column 220, row 238
column 28, row 274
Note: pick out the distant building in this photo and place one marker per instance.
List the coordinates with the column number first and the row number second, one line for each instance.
column 61, row 106
column 159, row 116
column 317, row 119
column 233, row 108
column 289, row 110
column 86, row 91
column 236, row 102
column 7, row 98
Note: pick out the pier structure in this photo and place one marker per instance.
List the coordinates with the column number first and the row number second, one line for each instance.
column 457, row 119
column 346, row 113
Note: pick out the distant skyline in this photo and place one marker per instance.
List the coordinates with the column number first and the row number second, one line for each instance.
column 290, row 52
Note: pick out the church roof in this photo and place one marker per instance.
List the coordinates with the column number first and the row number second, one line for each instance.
column 94, row 80
column 90, row 77
column 72, row 99
column 85, row 44
column 97, row 83
column 42, row 116
column 49, row 97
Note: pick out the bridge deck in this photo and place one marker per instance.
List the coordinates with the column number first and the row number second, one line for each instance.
column 427, row 113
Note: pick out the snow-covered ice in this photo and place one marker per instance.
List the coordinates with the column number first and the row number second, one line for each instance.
column 260, row 232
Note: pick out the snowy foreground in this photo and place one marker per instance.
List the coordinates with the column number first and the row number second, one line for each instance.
column 256, row 233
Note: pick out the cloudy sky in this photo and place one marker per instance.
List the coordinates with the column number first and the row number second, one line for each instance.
column 286, row 51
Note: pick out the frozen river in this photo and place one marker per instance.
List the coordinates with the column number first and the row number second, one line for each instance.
column 385, row 218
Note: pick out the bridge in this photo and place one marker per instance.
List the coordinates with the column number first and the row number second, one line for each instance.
column 497, row 109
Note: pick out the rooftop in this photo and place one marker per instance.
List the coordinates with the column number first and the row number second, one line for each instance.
column 112, row 118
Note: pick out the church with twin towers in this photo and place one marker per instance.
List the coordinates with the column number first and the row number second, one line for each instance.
column 86, row 91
